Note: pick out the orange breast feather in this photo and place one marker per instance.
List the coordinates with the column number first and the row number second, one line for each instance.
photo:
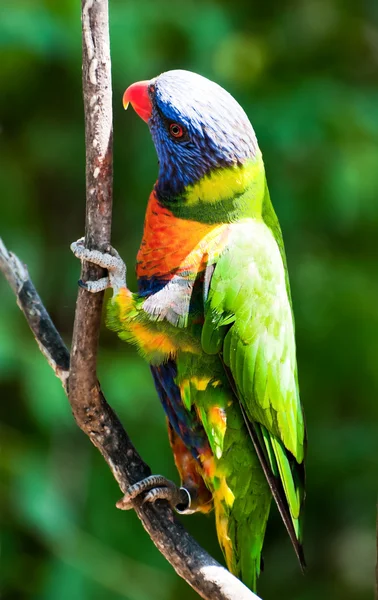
column 172, row 246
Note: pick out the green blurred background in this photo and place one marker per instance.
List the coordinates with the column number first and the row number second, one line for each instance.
column 306, row 73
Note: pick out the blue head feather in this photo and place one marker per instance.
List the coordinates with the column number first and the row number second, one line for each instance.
column 217, row 130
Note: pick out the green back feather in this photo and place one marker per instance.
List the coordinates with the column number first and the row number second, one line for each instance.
column 249, row 320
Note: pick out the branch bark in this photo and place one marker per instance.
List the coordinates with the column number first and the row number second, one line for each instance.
column 100, row 423
column 78, row 373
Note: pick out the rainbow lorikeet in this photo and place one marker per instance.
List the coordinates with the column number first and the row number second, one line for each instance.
column 213, row 318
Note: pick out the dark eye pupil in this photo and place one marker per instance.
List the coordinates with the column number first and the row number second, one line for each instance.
column 176, row 130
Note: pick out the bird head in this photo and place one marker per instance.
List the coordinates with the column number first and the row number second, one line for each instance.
column 197, row 128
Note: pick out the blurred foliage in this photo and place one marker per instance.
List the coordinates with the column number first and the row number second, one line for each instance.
column 306, row 73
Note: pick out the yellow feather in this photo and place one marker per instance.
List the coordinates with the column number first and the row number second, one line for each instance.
column 224, row 183
column 223, row 496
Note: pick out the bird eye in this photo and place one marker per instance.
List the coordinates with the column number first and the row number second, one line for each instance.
column 176, row 130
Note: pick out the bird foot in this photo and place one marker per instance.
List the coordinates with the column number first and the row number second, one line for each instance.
column 108, row 259
column 157, row 487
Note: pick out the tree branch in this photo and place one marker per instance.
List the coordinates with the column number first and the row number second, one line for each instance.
column 191, row 562
column 78, row 374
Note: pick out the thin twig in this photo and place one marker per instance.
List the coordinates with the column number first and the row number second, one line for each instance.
column 48, row 339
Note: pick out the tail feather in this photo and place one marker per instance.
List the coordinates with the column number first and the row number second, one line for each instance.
column 271, row 468
column 291, row 523
column 241, row 533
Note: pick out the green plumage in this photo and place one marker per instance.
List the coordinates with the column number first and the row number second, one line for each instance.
column 241, row 364
column 249, row 322
column 214, row 316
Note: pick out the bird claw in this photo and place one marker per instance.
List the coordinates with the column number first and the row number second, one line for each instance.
column 157, row 487
column 108, row 259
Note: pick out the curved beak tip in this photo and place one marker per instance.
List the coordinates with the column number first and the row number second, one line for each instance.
column 138, row 96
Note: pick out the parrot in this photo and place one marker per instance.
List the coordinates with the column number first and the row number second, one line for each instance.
column 213, row 318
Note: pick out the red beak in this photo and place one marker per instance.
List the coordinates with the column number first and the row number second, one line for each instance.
column 137, row 95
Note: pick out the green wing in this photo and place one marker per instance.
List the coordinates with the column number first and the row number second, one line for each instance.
column 249, row 321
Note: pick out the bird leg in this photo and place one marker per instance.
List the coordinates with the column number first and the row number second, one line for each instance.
column 157, row 487
column 108, row 259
